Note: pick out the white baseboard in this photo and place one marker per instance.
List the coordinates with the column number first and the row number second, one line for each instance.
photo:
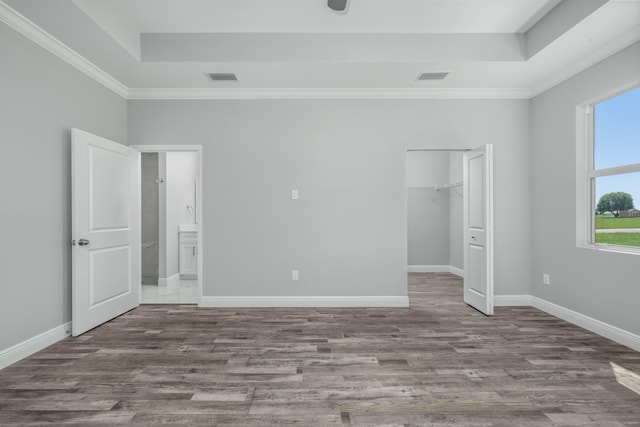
column 428, row 268
column 457, row 271
column 26, row 348
column 606, row 330
column 435, row 269
column 614, row 333
column 169, row 281
column 350, row 301
column 511, row 300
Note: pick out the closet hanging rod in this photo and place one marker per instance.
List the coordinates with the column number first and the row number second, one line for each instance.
column 441, row 187
column 450, row 185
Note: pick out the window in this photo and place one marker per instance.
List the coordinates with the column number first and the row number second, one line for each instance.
column 613, row 173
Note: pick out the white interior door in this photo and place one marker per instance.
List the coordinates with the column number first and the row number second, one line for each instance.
column 478, row 228
column 106, row 230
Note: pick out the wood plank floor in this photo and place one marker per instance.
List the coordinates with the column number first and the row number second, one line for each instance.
column 439, row 363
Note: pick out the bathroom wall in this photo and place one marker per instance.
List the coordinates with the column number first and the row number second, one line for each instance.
column 427, row 209
column 162, row 218
column 181, row 174
column 150, row 218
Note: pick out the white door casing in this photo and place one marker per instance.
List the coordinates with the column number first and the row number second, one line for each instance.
column 105, row 228
column 478, row 228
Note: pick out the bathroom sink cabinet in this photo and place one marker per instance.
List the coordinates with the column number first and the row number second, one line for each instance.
column 188, row 254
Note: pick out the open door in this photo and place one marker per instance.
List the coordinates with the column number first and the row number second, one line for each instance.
column 478, row 228
column 105, row 181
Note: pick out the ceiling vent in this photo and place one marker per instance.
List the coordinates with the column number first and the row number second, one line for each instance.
column 432, row 76
column 222, row 77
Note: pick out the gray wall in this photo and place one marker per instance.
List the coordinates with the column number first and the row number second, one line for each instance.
column 602, row 285
column 347, row 233
column 42, row 99
column 181, row 173
column 427, row 210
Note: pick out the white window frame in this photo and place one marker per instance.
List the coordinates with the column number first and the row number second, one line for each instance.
column 587, row 174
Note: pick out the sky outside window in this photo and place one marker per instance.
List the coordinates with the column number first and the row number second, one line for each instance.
column 617, row 142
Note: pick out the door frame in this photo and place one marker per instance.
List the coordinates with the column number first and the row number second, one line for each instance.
column 198, row 150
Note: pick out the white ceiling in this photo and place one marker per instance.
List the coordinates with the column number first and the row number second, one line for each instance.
column 313, row 16
column 501, row 48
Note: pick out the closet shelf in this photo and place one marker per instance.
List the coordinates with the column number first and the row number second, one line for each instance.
column 437, row 188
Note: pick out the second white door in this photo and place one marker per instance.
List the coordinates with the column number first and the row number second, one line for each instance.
column 478, row 228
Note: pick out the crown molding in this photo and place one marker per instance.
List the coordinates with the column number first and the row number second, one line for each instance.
column 598, row 55
column 30, row 30
column 328, row 93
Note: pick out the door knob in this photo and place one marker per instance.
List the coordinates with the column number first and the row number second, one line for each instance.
column 83, row 242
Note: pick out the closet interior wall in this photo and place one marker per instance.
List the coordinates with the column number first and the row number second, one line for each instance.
column 434, row 211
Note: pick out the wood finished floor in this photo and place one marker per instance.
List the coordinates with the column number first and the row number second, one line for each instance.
column 438, row 363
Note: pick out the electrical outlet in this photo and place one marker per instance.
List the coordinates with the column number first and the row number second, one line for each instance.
column 295, row 275
column 546, row 279
column 295, row 195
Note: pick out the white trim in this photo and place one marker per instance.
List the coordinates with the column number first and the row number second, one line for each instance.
column 614, row 333
column 435, row 269
column 32, row 345
column 586, row 174
column 24, row 26
column 617, row 170
column 32, row 31
column 428, row 268
column 289, row 301
column 596, row 326
column 457, row 271
column 511, row 300
column 586, row 62
column 166, row 148
column 173, row 280
column 328, row 93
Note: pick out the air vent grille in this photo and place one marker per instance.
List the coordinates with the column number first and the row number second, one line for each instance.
column 222, row 77
column 432, row 76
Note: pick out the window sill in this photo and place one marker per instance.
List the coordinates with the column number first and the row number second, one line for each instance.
column 627, row 250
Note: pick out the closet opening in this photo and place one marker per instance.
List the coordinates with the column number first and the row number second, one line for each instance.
column 435, row 211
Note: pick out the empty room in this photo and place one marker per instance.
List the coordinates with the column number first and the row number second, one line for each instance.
column 320, row 212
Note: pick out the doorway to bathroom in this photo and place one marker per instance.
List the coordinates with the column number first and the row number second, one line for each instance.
column 171, row 220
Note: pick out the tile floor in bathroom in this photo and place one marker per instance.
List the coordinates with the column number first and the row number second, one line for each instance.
column 182, row 292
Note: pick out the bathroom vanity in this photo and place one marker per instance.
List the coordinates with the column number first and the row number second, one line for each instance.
column 188, row 259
